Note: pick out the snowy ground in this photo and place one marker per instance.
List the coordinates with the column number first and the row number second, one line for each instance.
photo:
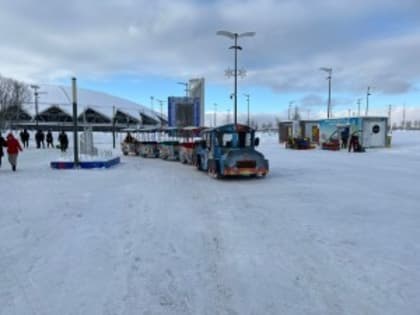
column 324, row 233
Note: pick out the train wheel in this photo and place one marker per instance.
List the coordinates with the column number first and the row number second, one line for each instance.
column 213, row 173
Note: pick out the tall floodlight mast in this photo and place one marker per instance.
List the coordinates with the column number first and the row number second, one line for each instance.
column 235, row 47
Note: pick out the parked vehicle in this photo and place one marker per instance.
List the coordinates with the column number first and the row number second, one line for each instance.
column 189, row 142
column 229, row 150
column 169, row 144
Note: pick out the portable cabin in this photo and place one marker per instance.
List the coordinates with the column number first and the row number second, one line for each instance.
column 285, row 130
column 169, row 144
column 189, row 140
column 371, row 131
column 309, row 129
column 149, row 147
column 299, row 129
column 229, row 150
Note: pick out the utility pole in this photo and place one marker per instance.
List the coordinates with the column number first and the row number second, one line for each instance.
column 151, row 103
column 113, row 126
column 75, row 140
column 389, row 117
column 289, row 113
column 403, row 120
column 247, row 100
column 214, row 115
column 228, row 116
column 161, row 108
column 367, row 100
column 359, row 100
column 36, row 88
column 329, row 71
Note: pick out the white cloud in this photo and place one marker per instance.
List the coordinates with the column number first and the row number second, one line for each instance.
column 362, row 40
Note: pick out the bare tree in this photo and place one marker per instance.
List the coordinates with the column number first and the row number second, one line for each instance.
column 13, row 96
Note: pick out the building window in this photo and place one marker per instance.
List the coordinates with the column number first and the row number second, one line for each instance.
column 376, row 129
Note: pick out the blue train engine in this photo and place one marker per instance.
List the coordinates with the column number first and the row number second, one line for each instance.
column 229, row 150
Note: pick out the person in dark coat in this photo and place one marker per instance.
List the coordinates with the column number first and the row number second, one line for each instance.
column 344, row 138
column 2, row 144
column 64, row 141
column 22, row 136
column 50, row 139
column 26, row 137
column 38, row 137
column 43, row 139
column 13, row 148
column 355, row 144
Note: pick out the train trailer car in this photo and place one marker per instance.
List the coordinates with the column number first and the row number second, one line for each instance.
column 149, row 146
column 130, row 145
column 229, row 150
column 189, row 142
column 169, row 144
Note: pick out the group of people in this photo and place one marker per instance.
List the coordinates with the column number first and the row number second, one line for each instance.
column 13, row 146
column 40, row 139
column 354, row 143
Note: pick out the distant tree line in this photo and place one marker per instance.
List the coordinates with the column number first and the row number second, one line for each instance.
column 407, row 125
column 13, row 95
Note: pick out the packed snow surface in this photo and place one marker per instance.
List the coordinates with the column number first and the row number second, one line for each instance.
column 323, row 233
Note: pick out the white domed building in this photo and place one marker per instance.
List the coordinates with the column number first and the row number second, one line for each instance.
column 97, row 109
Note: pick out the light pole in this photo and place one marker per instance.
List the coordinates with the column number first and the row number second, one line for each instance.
column 161, row 108
column 329, row 71
column 36, row 88
column 186, row 87
column 151, row 103
column 359, row 100
column 247, row 100
column 75, row 127
column 235, row 37
column 214, row 115
column 289, row 112
column 367, row 100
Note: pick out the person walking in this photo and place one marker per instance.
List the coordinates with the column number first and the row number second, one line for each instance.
column 64, row 141
column 13, row 148
column 22, row 136
column 38, row 137
column 2, row 144
column 43, row 139
column 50, row 139
column 26, row 137
column 344, row 138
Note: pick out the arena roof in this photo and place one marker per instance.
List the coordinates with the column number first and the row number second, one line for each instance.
column 93, row 101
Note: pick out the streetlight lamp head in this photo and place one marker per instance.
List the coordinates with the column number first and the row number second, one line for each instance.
column 34, row 86
column 247, row 34
column 329, row 70
column 227, row 34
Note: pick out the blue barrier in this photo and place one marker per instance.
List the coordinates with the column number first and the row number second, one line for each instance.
column 61, row 165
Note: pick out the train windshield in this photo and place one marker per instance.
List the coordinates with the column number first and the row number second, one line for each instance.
column 235, row 140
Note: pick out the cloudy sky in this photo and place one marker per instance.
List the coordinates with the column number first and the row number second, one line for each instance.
column 137, row 49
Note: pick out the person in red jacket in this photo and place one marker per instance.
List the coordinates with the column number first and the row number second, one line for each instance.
column 13, row 148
